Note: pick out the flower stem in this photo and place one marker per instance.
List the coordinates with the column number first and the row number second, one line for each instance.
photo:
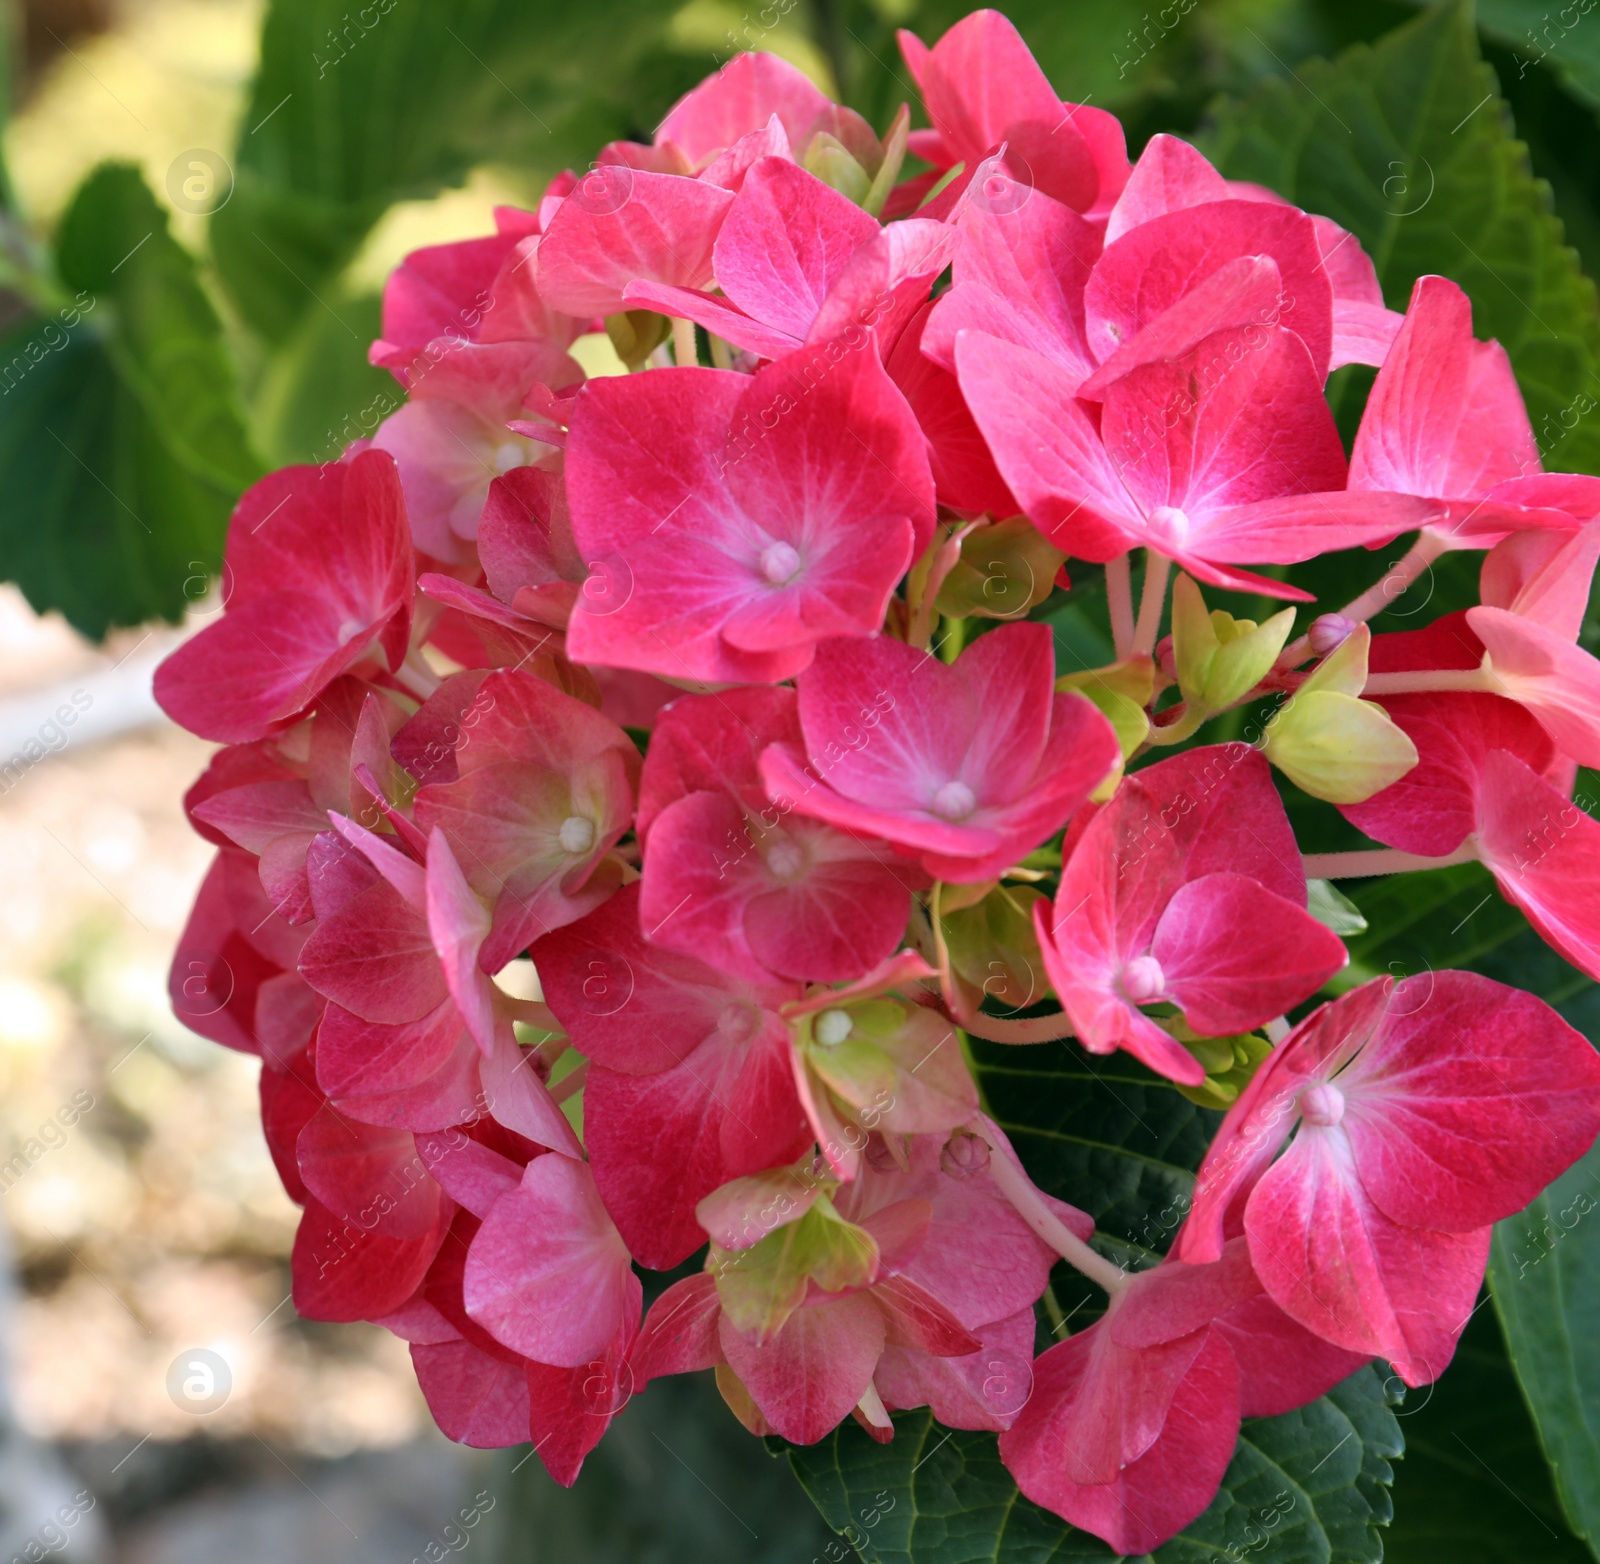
column 683, row 343
column 1382, row 593
column 994, row 1029
column 1119, row 599
column 1152, row 599
column 1375, row 861
column 571, row 1083
column 1423, row 680
column 1015, row 1185
column 415, row 675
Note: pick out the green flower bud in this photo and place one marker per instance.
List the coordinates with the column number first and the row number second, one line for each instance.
column 1004, row 570
column 1220, row 659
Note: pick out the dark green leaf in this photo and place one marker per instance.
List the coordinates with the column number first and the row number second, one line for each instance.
column 1473, row 1488
column 1545, row 1266
column 99, row 521
column 1103, row 1133
column 1406, row 144
column 157, row 323
column 1309, row 1486
column 121, row 446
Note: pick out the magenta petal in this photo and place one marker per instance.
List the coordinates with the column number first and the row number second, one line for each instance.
column 1130, row 1445
column 1471, row 1098
column 1545, row 855
column 476, row 1399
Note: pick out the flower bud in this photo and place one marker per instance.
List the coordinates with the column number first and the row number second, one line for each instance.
column 1328, row 633
column 636, row 334
column 964, row 1154
column 1219, row 659
column 1005, row 569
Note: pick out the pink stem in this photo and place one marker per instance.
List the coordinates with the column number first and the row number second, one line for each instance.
column 1374, row 861
column 1119, row 599
column 1016, row 1186
column 1152, row 599
column 1382, row 593
column 1424, row 680
column 992, row 1029
column 571, row 1083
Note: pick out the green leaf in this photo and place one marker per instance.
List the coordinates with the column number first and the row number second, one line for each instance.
column 353, row 110
column 319, row 392
column 1473, row 1488
column 1536, row 34
column 1405, row 143
column 1308, row 1486
column 1545, row 1267
column 100, row 520
column 121, row 446
column 159, row 328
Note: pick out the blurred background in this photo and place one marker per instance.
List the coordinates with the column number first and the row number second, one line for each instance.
column 227, row 184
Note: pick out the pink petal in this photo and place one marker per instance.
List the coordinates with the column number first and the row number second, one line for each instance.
column 984, row 1389
column 1444, row 417
column 369, row 1176
column 808, row 1377
column 1469, row 1100
column 1333, row 1261
column 739, row 99
column 344, row 1272
column 621, row 225
column 476, row 1399
column 1170, row 176
column 1545, row 854
column 1235, row 955
column 1557, row 681
column 422, row 1075
column 1151, row 267
column 785, row 242
column 1047, row 450
column 1138, row 1475
column 660, row 1143
column 547, row 1274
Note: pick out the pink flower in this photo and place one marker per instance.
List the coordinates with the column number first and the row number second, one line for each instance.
column 1445, row 419
column 912, row 1284
column 728, row 528
column 1488, row 779
column 982, row 87
column 1422, row 1112
column 971, row 764
column 1132, row 1422
column 739, row 101
column 319, row 582
column 543, row 789
column 1186, row 887
column 689, row 1081
column 796, row 261
column 736, row 880
column 1223, row 455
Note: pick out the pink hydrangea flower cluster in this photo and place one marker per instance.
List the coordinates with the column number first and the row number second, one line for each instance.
column 534, row 1012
